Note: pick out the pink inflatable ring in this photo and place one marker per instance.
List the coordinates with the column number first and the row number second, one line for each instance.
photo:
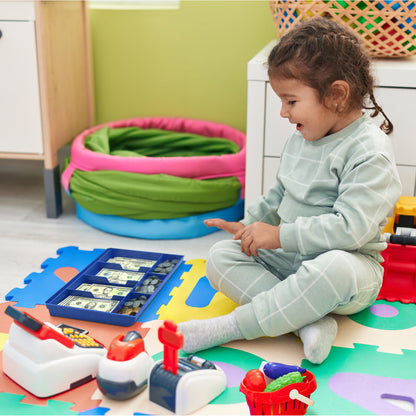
column 196, row 167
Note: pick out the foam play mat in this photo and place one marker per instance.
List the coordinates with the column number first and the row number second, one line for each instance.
column 370, row 370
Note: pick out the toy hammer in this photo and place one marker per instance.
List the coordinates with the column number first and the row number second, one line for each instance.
column 172, row 339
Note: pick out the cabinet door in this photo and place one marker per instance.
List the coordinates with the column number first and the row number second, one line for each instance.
column 20, row 117
column 271, row 166
column 277, row 129
column 399, row 104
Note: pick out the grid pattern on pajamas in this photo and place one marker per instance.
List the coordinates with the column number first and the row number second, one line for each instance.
column 282, row 292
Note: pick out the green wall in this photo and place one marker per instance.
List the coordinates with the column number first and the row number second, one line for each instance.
column 190, row 62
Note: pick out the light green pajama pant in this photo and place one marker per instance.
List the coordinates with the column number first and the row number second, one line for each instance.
column 281, row 292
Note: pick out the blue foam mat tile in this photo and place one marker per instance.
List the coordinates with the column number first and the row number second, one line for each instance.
column 36, row 291
column 95, row 411
column 164, row 296
column 202, row 294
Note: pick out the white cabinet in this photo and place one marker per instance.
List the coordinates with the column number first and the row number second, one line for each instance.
column 20, row 117
column 267, row 131
column 46, row 95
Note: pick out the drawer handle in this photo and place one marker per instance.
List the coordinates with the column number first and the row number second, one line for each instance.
column 1, row 34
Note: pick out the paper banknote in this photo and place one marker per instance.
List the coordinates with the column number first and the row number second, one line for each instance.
column 128, row 263
column 104, row 291
column 119, row 276
column 101, row 305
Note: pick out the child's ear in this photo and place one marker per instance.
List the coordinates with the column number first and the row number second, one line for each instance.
column 340, row 92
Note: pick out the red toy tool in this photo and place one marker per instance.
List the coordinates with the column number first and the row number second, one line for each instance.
column 182, row 385
column 172, row 339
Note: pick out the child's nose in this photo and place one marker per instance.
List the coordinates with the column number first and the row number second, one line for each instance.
column 283, row 111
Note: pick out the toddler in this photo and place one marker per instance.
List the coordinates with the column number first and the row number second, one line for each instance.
column 312, row 245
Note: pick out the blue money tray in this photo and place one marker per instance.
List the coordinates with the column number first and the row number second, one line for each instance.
column 116, row 288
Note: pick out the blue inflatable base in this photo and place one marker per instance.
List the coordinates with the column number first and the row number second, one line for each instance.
column 169, row 229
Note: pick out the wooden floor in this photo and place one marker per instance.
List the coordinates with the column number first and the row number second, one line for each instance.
column 27, row 237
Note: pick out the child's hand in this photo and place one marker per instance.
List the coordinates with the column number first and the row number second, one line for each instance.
column 231, row 227
column 258, row 235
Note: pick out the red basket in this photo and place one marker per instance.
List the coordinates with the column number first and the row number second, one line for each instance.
column 279, row 402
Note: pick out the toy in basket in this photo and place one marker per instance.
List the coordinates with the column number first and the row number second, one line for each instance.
column 287, row 393
column 386, row 27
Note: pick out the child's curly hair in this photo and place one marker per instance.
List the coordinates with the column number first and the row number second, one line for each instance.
column 320, row 51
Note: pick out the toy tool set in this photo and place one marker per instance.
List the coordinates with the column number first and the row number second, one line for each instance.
column 183, row 385
column 46, row 359
column 123, row 373
column 115, row 288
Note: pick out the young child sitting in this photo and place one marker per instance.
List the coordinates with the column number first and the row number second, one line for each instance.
column 312, row 245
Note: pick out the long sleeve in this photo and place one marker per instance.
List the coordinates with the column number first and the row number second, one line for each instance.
column 264, row 208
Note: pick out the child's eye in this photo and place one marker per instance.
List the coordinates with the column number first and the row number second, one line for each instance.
column 291, row 102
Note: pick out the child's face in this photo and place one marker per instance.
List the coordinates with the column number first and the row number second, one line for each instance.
column 301, row 105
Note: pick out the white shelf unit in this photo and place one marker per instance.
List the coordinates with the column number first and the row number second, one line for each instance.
column 267, row 131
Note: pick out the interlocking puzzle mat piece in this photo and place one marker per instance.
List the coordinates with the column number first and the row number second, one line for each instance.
column 56, row 272
column 81, row 396
column 3, row 339
column 10, row 404
column 350, row 386
column 357, row 381
column 392, row 316
column 195, row 298
column 164, row 297
column 95, row 411
column 362, row 330
column 286, row 349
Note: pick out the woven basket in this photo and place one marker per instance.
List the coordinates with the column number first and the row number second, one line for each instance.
column 387, row 28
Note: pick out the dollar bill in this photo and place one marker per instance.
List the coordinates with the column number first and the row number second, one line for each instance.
column 119, row 276
column 128, row 263
column 104, row 291
column 101, row 305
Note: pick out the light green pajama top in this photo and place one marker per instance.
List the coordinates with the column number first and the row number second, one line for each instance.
column 333, row 193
